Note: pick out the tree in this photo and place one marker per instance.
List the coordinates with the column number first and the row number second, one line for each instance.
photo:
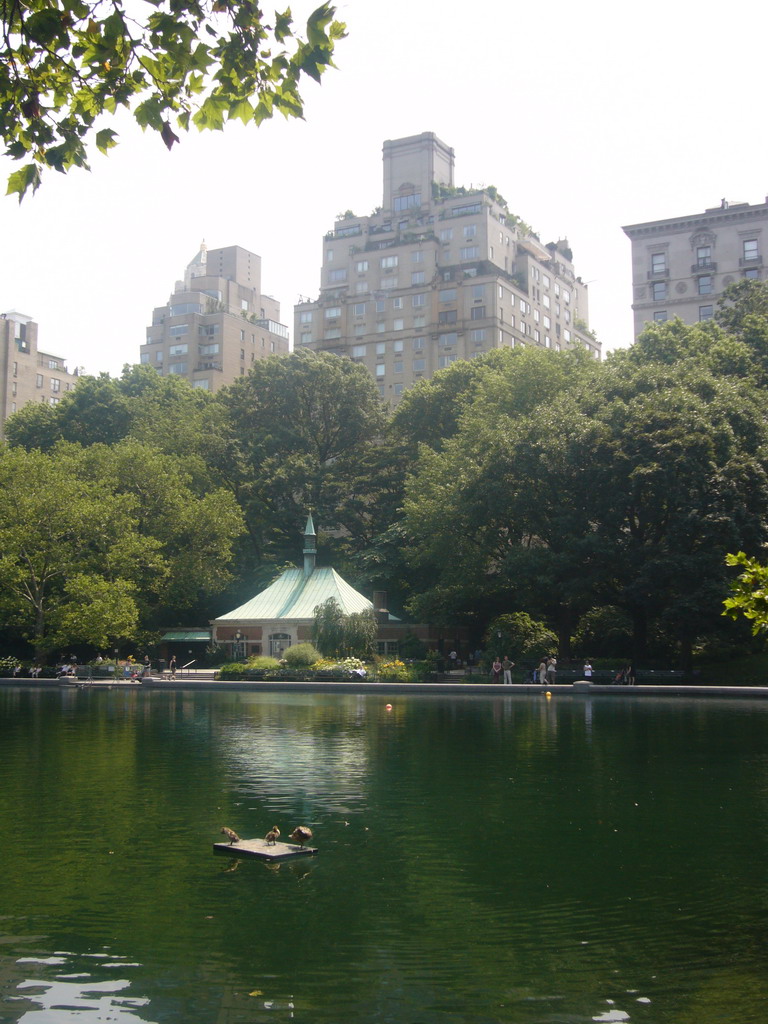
column 519, row 636
column 301, row 431
column 338, row 635
column 171, row 62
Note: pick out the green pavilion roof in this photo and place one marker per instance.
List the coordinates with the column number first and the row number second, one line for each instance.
column 295, row 595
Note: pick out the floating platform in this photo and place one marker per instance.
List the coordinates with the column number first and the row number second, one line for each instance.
column 265, row 851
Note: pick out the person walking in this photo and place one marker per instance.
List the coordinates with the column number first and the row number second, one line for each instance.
column 507, row 667
column 542, row 671
column 172, row 666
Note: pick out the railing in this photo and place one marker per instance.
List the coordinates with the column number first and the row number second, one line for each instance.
column 654, row 274
column 707, row 265
column 750, row 261
column 193, row 662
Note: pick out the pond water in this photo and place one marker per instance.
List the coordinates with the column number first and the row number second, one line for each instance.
column 510, row 860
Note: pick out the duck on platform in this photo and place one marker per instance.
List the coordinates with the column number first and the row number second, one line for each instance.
column 301, row 835
column 272, row 836
column 230, row 834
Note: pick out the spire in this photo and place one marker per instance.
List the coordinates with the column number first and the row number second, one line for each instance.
column 310, row 546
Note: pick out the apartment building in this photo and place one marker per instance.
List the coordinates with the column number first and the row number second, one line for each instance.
column 27, row 373
column 438, row 273
column 680, row 266
column 217, row 321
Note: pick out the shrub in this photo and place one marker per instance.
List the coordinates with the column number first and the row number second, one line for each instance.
column 262, row 661
column 393, row 672
column 301, row 656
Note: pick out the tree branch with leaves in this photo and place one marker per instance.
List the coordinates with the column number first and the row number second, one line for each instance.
column 65, row 63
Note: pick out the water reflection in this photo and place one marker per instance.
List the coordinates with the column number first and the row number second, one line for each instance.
column 78, row 992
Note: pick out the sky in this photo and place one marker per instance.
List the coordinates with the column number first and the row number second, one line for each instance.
column 586, row 116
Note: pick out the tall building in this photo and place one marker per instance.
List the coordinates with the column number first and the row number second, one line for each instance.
column 680, row 266
column 438, row 273
column 217, row 322
column 28, row 374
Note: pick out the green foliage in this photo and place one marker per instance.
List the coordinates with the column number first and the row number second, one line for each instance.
column 335, row 634
column 262, row 661
column 749, row 592
column 604, row 632
column 301, row 655
column 171, row 63
column 522, row 638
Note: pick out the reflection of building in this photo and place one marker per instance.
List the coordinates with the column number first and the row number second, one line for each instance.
column 438, row 273
column 28, row 375
column 681, row 265
column 283, row 614
column 217, row 322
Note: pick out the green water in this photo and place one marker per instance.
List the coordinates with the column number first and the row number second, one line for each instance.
column 481, row 860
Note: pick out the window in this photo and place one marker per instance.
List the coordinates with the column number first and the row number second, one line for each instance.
column 381, row 348
column 752, row 273
column 381, row 327
column 477, row 313
column 398, row 391
column 547, row 323
column 332, row 311
column 417, row 256
column 419, row 300
column 750, row 249
column 443, row 361
column 417, row 277
column 477, row 335
column 177, row 330
column 361, row 266
column 332, row 333
column 397, row 303
column 387, row 283
column 469, row 252
column 659, row 291
column 398, row 324
column 660, row 316
column 209, row 350
column 338, row 275
column 53, row 401
column 203, row 383
column 419, row 365
column 536, row 316
column 566, row 335
column 361, row 287
column 358, row 309
column 448, row 340
column 380, row 369
column 185, row 307
column 448, row 316
column 419, row 321
column 305, row 317
column 705, row 284
column 418, row 344
column 209, row 331
column 566, row 295
column 159, row 358
column 407, row 202
column 397, row 366
column 397, row 346
column 358, row 351
column 388, row 262
column 546, row 279
column 447, row 295
column 446, row 235
column 178, row 350
column 177, row 368
column 706, row 312
column 358, row 330
column 144, row 358
column 381, row 305
column 306, row 337
column 545, row 302
column 478, row 292
column 536, row 336
column 703, row 255
column 470, row 230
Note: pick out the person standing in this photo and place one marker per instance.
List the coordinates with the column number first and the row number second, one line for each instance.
column 542, row 671
column 587, row 670
column 496, row 670
column 551, row 670
column 507, row 667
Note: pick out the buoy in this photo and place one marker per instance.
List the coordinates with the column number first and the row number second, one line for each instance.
column 389, row 707
column 547, row 694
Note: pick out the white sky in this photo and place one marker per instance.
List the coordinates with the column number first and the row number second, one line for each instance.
column 586, row 116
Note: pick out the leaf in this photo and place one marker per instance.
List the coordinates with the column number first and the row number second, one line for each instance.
column 20, row 181
column 106, row 139
column 168, row 135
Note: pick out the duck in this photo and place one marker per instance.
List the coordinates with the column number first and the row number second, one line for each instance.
column 230, row 834
column 301, row 834
column 272, row 836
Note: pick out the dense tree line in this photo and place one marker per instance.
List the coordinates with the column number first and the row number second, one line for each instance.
column 599, row 498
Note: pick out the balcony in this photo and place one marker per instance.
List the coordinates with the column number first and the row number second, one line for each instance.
column 751, row 261
column 657, row 275
column 704, row 266
column 208, row 366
